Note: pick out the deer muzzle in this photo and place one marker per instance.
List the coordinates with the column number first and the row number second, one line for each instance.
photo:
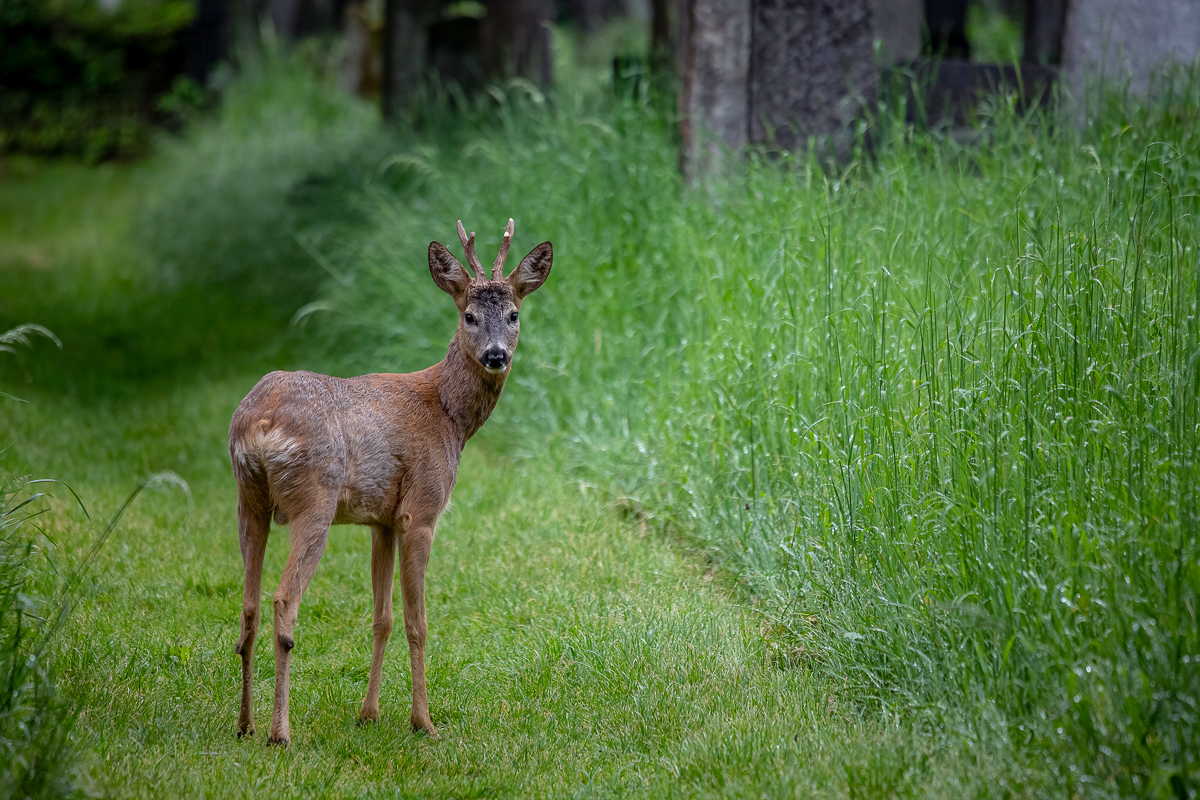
column 495, row 359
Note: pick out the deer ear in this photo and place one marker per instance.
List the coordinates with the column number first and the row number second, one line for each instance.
column 533, row 270
column 447, row 272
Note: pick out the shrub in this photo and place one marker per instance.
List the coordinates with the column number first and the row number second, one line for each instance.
column 78, row 79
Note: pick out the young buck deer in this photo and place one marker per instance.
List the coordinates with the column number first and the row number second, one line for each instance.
column 378, row 450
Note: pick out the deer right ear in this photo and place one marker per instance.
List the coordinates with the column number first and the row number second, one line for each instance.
column 447, row 272
column 533, row 270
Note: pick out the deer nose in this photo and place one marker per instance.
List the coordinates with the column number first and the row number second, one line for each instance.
column 495, row 358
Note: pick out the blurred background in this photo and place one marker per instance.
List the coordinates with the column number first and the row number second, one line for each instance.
column 96, row 78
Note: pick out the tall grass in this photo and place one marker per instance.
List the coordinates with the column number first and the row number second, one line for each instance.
column 34, row 723
column 936, row 407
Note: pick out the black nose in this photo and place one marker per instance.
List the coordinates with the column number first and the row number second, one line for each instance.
column 495, row 358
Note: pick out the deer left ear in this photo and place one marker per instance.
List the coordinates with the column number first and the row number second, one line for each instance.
column 532, row 271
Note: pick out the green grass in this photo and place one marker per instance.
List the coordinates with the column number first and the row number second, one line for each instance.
column 870, row 480
column 575, row 648
column 935, row 407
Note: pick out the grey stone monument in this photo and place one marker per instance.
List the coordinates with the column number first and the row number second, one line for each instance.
column 1115, row 42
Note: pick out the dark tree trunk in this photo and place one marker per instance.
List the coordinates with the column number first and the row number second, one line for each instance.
column 590, row 15
column 294, row 19
column 946, row 22
column 812, row 69
column 516, row 39
column 207, row 41
column 405, row 24
column 660, row 33
column 1044, row 31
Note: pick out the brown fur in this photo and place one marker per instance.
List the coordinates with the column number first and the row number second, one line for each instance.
column 378, row 450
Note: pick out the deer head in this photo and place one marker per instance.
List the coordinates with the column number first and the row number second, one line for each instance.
column 489, row 319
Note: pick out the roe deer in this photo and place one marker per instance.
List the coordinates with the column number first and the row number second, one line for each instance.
column 378, row 450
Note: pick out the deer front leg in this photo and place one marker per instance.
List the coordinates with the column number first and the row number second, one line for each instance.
column 383, row 571
column 253, row 529
column 309, row 535
column 416, row 544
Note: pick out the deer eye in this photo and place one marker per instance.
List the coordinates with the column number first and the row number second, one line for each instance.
column 470, row 318
column 512, row 317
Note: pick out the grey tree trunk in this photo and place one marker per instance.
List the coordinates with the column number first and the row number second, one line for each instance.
column 775, row 71
column 715, row 97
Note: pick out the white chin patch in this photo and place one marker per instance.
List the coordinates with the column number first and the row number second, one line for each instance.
column 497, row 370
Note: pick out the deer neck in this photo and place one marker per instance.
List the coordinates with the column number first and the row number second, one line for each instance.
column 467, row 391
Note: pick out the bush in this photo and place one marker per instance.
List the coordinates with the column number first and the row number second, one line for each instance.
column 78, row 79
column 238, row 200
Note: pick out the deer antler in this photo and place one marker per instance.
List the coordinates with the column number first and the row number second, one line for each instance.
column 468, row 243
column 498, row 266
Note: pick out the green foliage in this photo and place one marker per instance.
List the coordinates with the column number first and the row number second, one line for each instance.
column 34, row 724
column 995, row 37
column 77, row 78
column 936, row 409
column 280, row 158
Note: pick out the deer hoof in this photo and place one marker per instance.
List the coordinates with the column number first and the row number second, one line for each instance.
column 282, row 741
column 367, row 718
column 245, row 733
column 427, row 729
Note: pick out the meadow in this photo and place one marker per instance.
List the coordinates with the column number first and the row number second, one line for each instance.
column 870, row 479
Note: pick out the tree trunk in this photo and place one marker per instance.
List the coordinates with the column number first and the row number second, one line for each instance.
column 1044, row 31
column 775, row 71
column 946, row 21
column 404, row 49
column 516, row 39
column 715, row 98
column 1118, row 41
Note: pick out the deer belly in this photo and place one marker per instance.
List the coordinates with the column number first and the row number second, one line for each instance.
column 358, row 507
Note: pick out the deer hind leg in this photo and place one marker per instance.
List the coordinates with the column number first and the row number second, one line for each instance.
column 383, row 571
column 309, row 532
column 416, row 543
column 253, row 528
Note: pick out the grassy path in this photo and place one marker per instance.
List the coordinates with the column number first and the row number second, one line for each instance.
column 573, row 653
column 568, row 650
